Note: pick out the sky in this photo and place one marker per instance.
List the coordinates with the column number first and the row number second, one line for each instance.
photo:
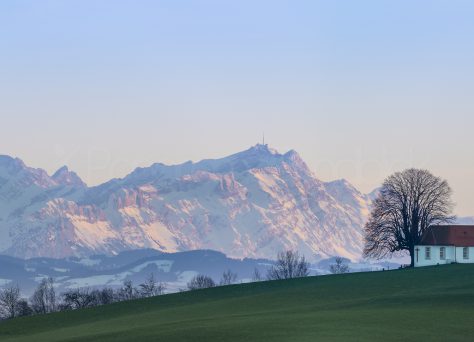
column 360, row 89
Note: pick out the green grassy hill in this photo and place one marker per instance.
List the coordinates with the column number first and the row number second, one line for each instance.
column 428, row 304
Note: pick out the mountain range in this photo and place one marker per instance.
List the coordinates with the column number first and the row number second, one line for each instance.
column 251, row 204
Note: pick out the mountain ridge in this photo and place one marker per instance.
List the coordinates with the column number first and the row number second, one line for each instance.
column 252, row 203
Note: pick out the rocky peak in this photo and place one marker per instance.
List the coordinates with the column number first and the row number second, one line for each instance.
column 10, row 164
column 292, row 157
column 15, row 171
column 66, row 177
column 263, row 149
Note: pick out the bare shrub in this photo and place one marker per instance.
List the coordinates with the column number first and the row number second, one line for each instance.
column 201, row 282
column 228, row 278
column 289, row 264
column 339, row 267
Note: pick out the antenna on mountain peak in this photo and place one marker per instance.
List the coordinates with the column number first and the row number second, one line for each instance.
column 263, row 139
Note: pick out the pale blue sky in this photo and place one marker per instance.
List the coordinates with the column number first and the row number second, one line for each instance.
column 359, row 88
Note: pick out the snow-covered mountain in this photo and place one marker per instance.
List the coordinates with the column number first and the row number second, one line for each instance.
column 250, row 204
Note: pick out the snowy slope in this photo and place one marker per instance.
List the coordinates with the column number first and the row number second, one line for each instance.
column 174, row 269
column 250, row 204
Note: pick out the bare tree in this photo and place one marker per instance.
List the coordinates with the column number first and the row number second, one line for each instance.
column 201, row 282
column 408, row 203
column 9, row 301
column 101, row 296
column 78, row 298
column 106, row 296
column 339, row 266
column 23, row 309
column 96, row 299
column 257, row 276
column 127, row 292
column 289, row 264
column 43, row 299
column 151, row 287
column 228, row 278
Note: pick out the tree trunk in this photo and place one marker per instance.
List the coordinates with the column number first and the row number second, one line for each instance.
column 412, row 257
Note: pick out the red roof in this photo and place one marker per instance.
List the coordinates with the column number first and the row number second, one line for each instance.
column 454, row 235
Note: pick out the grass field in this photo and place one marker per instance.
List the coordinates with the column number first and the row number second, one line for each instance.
column 426, row 304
